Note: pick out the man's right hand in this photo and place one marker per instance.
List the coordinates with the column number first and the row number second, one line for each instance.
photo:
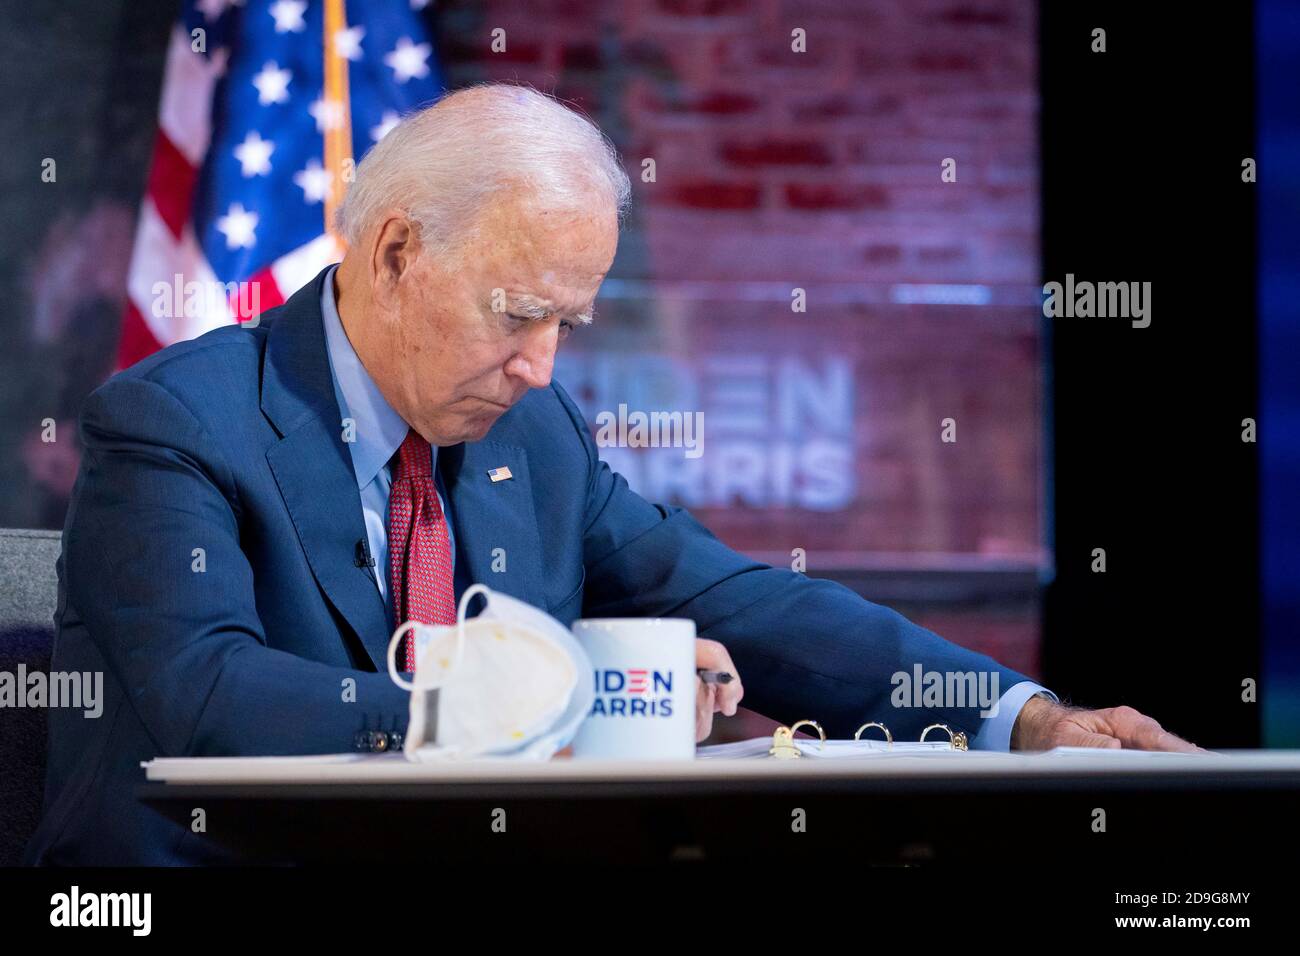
column 711, row 698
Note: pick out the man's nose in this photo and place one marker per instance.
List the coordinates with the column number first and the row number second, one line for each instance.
column 535, row 361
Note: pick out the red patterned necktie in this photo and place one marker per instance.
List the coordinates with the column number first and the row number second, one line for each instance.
column 419, row 549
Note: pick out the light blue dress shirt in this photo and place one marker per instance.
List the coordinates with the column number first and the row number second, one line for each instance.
column 995, row 732
column 379, row 432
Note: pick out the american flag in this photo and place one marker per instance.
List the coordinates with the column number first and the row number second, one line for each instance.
column 265, row 106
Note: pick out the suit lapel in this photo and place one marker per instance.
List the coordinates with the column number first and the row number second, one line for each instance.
column 313, row 467
column 487, row 515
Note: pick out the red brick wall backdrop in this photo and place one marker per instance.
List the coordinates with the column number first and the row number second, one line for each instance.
column 776, row 171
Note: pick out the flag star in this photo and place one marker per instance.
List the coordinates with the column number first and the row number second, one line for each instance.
column 407, row 60
column 288, row 16
column 254, row 154
column 347, row 43
column 313, row 181
column 386, row 124
column 237, row 225
column 327, row 113
column 272, row 84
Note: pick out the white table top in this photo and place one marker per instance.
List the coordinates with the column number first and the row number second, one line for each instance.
column 394, row 768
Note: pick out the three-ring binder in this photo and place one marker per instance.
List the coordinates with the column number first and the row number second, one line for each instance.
column 785, row 748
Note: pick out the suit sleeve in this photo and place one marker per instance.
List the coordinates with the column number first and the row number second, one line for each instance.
column 154, row 567
column 805, row 648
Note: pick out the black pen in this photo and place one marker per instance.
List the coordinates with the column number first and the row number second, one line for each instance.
column 714, row 677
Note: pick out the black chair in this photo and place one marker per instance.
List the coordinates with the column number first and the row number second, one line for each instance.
column 28, row 597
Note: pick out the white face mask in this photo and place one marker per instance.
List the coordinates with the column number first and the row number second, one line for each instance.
column 510, row 682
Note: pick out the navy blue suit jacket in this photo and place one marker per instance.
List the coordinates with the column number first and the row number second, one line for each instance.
column 232, row 443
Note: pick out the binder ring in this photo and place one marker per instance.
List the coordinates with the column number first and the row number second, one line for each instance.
column 811, row 723
column 783, row 744
column 783, row 747
column 958, row 739
column 889, row 738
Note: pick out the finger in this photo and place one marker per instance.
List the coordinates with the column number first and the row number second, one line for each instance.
column 711, row 654
column 1176, row 744
column 703, row 710
column 703, row 724
column 1137, row 731
column 729, row 696
column 1073, row 734
column 714, row 656
column 703, row 727
column 1144, row 734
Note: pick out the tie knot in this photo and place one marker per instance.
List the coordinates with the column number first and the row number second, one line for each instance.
column 413, row 458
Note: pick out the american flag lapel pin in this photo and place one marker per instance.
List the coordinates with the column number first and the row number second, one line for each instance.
column 500, row 474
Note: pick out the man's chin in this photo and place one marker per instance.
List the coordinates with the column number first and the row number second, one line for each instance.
column 477, row 429
column 470, row 427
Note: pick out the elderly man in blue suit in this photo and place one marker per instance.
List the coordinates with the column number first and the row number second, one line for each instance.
column 258, row 508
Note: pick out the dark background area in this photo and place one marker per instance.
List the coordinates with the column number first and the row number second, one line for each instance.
column 1142, row 151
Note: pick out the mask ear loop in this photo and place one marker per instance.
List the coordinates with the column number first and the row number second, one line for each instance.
column 392, row 655
column 460, row 641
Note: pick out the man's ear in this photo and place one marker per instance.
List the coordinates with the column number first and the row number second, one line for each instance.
column 392, row 254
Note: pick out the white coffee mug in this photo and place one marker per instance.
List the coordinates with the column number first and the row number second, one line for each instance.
column 644, row 682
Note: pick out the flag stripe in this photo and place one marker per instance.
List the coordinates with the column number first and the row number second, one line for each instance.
column 184, row 113
column 137, row 340
column 171, row 184
column 267, row 296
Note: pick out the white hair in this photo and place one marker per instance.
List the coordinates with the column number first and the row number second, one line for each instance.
column 441, row 164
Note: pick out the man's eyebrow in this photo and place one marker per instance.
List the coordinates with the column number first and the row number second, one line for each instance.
column 539, row 309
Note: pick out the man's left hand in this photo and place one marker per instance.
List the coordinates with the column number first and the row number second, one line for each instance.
column 1043, row 724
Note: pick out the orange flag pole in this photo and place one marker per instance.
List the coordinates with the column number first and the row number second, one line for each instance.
column 338, row 125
